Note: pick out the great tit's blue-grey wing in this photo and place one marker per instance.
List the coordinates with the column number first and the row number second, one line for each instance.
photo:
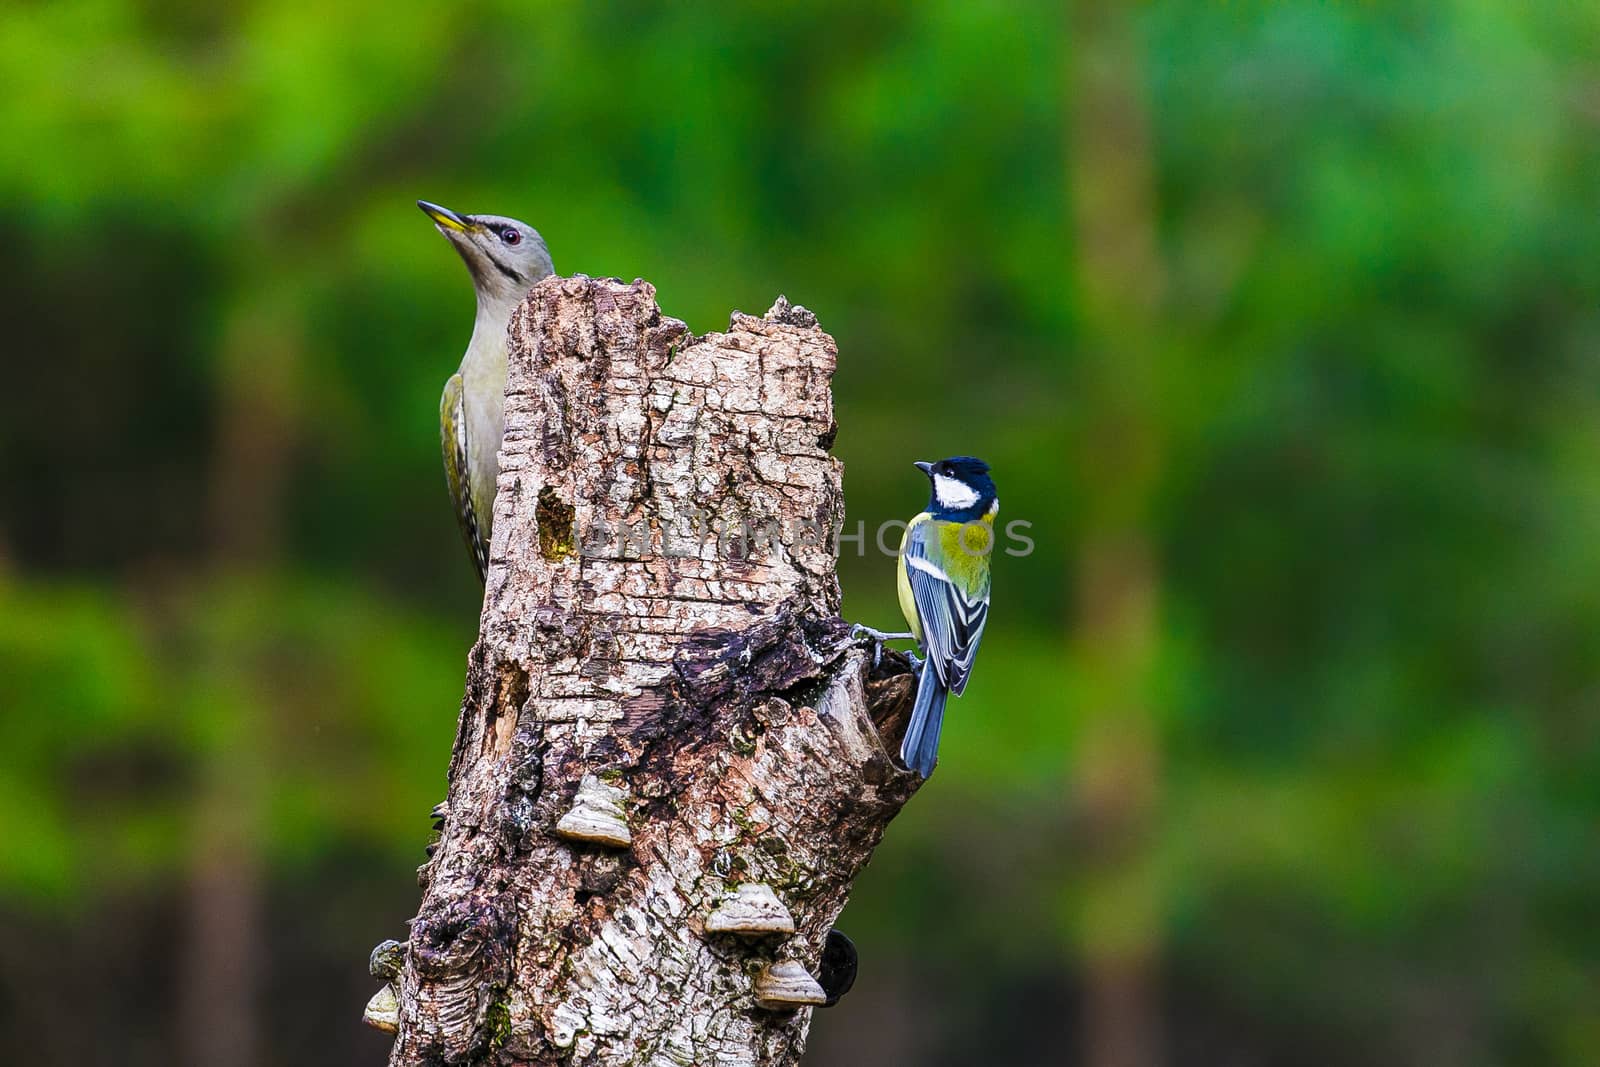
column 453, row 442
column 952, row 612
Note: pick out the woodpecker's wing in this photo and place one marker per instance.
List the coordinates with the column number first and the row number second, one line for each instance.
column 453, row 440
column 951, row 589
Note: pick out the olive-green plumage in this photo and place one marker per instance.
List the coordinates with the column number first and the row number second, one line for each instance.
column 505, row 258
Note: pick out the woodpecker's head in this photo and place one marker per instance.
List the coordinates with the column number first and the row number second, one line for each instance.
column 506, row 257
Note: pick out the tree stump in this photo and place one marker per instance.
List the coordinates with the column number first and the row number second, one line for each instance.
column 664, row 715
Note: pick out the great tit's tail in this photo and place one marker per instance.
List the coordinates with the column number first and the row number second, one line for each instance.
column 920, row 749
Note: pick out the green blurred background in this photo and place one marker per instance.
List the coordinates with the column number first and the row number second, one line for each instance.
column 1279, row 321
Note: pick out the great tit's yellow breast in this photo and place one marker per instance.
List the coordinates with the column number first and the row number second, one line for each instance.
column 964, row 549
column 971, row 540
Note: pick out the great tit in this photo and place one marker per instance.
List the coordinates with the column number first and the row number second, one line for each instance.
column 943, row 579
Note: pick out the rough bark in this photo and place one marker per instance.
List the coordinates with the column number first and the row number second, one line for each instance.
column 633, row 634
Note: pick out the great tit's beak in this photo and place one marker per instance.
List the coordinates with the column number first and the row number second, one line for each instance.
column 444, row 218
column 925, row 468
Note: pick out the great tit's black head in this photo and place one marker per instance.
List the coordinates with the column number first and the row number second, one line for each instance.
column 505, row 257
column 961, row 487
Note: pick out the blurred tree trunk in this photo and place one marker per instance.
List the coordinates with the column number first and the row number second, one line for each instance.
column 659, row 707
column 1120, row 284
column 224, row 953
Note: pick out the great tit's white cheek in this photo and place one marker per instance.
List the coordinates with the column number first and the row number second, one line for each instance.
column 952, row 492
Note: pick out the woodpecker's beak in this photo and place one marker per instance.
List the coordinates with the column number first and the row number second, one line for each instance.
column 925, row 468
column 445, row 219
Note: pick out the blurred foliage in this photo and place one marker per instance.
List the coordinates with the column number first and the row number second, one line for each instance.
column 224, row 541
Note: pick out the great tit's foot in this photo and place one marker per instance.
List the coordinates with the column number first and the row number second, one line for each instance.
column 877, row 637
column 857, row 631
column 916, row 662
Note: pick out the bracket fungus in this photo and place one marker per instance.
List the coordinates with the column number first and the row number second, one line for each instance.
column 751, row 910
column 785, row 985
column 597, row 815
column 388, row 959
column 383, row 1010
column 837, row 972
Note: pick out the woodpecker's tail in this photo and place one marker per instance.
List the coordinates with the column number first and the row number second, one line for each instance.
column 920, row 749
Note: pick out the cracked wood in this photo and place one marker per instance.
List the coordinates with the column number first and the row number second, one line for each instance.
column 660, row 626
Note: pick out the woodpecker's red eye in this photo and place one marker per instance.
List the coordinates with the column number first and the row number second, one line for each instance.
column 510, row 236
